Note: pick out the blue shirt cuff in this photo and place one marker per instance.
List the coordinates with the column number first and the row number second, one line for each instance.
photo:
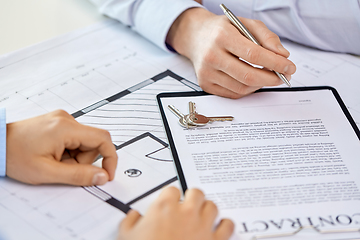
column 154, row 18
column 243, row 8
column 2, row 142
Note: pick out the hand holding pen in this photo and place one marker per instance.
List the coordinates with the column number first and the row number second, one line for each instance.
column 244, row 31
column 214, row 46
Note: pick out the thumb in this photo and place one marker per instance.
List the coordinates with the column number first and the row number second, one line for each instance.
column 75, row 174
column 131, row 219
column 224, row 230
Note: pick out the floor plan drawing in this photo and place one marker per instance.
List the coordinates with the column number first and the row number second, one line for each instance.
column 145, row 164
column 133, row 111
column 110, row 82
column 144, row 167
column 108, row 76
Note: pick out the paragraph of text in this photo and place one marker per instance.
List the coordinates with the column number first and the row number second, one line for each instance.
column 268, row 156
column 261, row 131
column 287, row 195
column 274, row 173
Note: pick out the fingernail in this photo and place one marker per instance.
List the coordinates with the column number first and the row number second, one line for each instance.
column 99, row 179
column 289, row 69
column 286, row 68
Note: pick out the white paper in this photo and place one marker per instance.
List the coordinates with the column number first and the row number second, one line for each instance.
column 78, row 72
column 75, row 71
column 286, row 157
column 319, row 68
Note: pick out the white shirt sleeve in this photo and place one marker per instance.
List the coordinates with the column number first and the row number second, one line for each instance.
column 151, row 18
column 2, row 143
column 331, row 25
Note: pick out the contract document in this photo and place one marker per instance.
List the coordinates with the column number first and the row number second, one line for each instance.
column 289, row 159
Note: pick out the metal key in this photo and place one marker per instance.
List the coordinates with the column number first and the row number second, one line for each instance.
column 181, row 117
column 192, row 112
column 192, row 108
column 201, row 120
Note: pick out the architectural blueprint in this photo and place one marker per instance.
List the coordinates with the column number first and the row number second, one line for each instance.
column 107, row 76
column 111, row 84
column 133, row 120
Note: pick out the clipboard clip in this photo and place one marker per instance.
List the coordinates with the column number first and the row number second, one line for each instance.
column 289, row 234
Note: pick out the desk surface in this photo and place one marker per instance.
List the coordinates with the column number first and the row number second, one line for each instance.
column 24, row 23
column 64, row 211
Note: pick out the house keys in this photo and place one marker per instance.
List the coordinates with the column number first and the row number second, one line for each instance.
column 194, row 119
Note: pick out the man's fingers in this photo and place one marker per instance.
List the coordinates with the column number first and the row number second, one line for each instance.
column 209, row 213
column 169, row 194
column 69, row 161
column 226, row 86
column 87, row 157
column 72, row 174
column 129, row 221
column 61, row 113
column 194, row 198
column 261, row 56
column 247, row 74
column 221, row 91
column 109, row 164
column 265, row 37
column 85, row 137
column 224, row 230
column 269, row 57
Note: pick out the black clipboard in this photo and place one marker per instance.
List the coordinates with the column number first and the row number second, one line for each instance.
column 173, row 149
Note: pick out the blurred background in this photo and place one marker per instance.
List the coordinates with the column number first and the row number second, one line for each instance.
column 24, row 23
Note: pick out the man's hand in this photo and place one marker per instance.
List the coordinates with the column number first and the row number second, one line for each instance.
column 54, row 148
column 167, row 219
column 214, row 46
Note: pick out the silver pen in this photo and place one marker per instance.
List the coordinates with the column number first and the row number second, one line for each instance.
column 236, row 22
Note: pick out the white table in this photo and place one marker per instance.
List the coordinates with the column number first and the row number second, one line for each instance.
column 24, row 23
